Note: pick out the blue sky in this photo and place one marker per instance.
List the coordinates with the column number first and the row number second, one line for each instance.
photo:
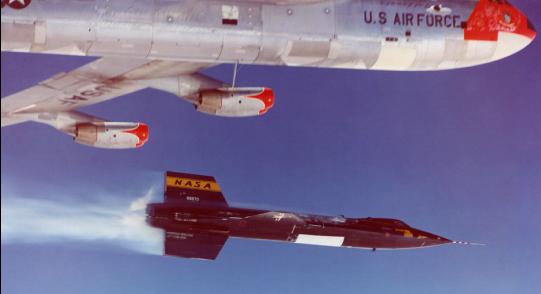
column 457, row 153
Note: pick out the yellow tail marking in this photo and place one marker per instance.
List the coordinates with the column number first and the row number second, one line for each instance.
column 194, row 184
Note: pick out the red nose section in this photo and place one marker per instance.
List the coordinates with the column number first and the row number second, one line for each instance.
column 141, row 132
column 16, row 4
column 530, row 32
column 489, row 17
column 267, row 97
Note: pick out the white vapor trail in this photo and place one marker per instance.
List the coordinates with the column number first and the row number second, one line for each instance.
column 27, row 220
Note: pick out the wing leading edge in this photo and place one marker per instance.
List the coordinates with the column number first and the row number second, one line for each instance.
column 53, row 101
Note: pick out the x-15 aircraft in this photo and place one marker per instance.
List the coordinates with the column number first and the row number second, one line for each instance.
column 162, row 44
column 198, row 221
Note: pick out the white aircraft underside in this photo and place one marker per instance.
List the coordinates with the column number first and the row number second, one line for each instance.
column 162, row 44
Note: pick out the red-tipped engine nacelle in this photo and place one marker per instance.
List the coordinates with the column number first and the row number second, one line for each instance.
column 112, row 135
column 235, row 102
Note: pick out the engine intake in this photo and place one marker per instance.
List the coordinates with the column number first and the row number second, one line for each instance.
column 112, row 135
column 235, row 102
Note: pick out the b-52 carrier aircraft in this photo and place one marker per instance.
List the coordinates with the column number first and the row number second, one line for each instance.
column 197, row 221
column 162, row 44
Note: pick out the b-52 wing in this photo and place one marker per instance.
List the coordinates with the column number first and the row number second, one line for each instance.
column 53, row 101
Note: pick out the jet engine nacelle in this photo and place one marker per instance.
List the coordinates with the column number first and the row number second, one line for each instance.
column 235, row 102
column 112, row 135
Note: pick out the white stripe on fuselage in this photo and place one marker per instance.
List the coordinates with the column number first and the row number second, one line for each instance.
column 335, row 241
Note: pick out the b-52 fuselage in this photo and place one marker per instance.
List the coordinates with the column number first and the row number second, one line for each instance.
column 162, row 44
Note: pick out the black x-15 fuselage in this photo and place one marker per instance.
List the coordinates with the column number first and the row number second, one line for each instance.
column 197, row 221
